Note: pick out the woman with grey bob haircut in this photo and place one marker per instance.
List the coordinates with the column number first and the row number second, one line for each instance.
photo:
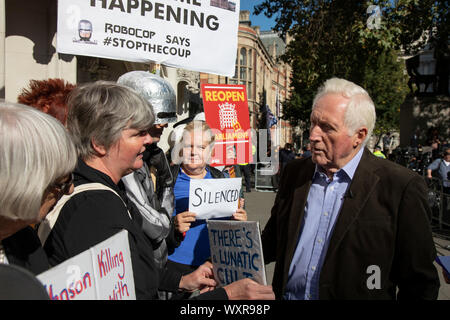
column 37, row 158
column 100, row 111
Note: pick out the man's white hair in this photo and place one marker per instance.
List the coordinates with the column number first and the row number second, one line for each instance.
column 360, row 110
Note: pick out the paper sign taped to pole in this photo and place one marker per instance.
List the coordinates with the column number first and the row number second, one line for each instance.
column 214, row 198
column 103, row 272
column 236, row 251
column 198, row 35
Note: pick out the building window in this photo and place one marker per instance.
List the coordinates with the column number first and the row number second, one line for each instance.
column 244, row 69
column 243, row 74
column 243, row 57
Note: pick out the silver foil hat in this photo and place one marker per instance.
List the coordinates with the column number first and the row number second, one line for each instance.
column 155, row 90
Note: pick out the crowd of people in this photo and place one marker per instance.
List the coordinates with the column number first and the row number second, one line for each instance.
column 83, row 163
column 100, row 187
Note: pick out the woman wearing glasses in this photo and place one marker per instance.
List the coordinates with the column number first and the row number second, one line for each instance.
column 37, row 157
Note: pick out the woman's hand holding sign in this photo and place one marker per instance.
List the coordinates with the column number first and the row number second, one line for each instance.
column 240, row 215
column 183, row 221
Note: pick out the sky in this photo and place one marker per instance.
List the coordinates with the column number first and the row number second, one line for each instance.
column 259, row 20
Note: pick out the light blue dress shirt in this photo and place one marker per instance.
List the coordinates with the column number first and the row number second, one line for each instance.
column 322, row 208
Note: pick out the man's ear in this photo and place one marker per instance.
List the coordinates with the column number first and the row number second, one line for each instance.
column 360, row 136
column 101, row 150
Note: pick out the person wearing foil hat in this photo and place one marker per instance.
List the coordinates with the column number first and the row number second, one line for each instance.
column 151, row 187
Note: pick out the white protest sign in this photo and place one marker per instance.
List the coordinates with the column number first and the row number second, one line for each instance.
column 214, row 198
column 236, row 251
column 73, row 279
column 198, row 35
column 100, row 273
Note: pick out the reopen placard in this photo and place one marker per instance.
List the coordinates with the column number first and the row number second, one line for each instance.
column 226, row 112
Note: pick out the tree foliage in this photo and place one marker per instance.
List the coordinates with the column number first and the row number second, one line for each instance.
column 348, row 39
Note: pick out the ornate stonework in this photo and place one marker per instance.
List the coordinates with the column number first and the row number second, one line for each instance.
column 192, row 79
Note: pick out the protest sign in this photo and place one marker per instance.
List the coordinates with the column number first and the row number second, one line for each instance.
column 226, row 112
column 214, row 198
column 99, row 273
column 236, row 251
column 198, row 35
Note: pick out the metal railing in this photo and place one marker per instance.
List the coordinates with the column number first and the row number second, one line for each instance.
column 439, row 202
column 265, row 180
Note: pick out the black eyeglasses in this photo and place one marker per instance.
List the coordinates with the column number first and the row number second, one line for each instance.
column 64, row 187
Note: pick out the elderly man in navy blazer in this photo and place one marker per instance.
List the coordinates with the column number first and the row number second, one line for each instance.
column 346, row 224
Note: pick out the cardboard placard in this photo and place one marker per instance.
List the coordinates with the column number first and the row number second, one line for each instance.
column 100, row 273
column 236, row 251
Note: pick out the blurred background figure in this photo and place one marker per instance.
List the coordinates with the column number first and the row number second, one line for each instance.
column 48, row 96
column 37, row 158
column 377, row 152
column 442, row 167
column 306, row 151
column 286, row 155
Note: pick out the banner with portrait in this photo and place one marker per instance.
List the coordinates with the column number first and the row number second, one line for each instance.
column 197, row 35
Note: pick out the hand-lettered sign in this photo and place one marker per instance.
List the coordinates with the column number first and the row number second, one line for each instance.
column 100, row 273
column 198, row 35
column 214, row 198
column 236, row 251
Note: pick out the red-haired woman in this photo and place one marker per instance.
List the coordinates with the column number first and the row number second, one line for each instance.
column 49, row 96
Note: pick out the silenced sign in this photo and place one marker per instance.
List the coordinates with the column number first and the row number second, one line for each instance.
column 214, row 198
column 236, row 251
column 103, row 272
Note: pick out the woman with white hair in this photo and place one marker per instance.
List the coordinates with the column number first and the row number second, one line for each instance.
column 196, row 147
column 37, row 158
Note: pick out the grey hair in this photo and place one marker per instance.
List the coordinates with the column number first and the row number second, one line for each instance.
column 100, row 111
column 360, row 110
column 35, row 152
